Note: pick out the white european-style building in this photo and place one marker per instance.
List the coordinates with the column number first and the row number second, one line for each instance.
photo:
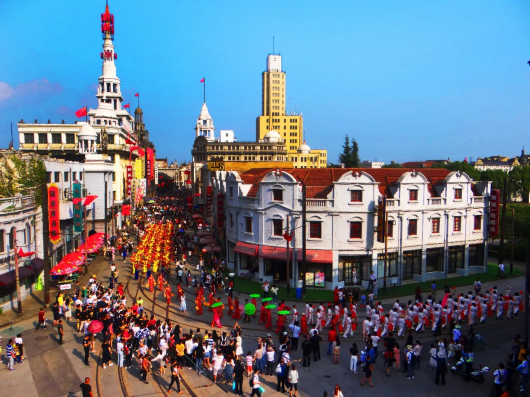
column 437, row 224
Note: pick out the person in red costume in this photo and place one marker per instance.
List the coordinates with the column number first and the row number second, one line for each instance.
column 268, row 323
column 255, row 303
column 280, row 323
column 304, row 324
column 161, row 282
column 210, row 301
column 237, row 311
column 151, row 281
column 262, row 314
column 229, row 305
column 167, row 294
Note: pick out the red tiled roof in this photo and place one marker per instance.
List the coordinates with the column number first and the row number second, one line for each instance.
column 319, row 181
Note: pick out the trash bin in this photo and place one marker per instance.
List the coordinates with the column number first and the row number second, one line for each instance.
column 299, row 293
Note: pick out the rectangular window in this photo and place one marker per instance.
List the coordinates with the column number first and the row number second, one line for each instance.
column 66, row 175
column 113, row 195
column 57, row 176
column 277, row 227
column 478, row 222
column 413, row 195
column 435, row 225
column 356, row 196
column 277, row 195
column 356, row 230
column 113, row 177
column 231, row 190
column 390, row 229
column 56, row 138
column 458, row 194
column 111, row 139
column 248, row 224
column 315, row 230
column 457, row 224
column 43, row 138
column 435, row 258
column 48, row 177
column 413, row 227
column 70, row 138
column 231, row 220
column 29, row 138
column 80, row 176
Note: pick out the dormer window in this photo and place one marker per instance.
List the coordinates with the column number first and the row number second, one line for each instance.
column 458, row 194
column 413, row 195
column 277, row 195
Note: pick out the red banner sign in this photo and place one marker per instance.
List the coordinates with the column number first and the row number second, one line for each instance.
column 495, row 199
column 220, row 210
column 150, row 165
column 128, row 181
column 209, row 201
column 53, row 213
column 126, row 210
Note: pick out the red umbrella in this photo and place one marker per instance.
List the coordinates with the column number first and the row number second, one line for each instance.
column 95, row 326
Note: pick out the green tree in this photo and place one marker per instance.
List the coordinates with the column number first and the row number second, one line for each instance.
column 463, row 166
column 392, row 165
column 22, row 175
column 350, row 154
column 519, row 182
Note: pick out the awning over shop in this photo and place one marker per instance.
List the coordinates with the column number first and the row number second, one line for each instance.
column 246, row 249
column 321, row 256
column 9, row 277
column 278, row 253
column 37, row 264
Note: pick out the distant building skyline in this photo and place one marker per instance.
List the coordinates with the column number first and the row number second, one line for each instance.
column 407, row 81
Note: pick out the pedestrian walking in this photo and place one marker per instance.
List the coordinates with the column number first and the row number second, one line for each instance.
column 86, row 389
column 441, row 368
column 10, row 353
column 293, row 381
column 354, row 358
column 255, row 384
column 174, row 377
column 60, row 331
column 410, row 362
column 368, row 369
column 41, row 320
column 86, row 346
column 239, row 372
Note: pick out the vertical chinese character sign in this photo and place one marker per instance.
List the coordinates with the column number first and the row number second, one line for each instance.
column 53, row 213
column 78, row 211
column 129, row 179
column 209, row 201
column 494, row 212
column 381, row 215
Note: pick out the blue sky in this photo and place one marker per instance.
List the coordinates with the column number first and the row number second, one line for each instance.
column 410, row 80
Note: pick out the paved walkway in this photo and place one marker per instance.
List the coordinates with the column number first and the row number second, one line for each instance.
column 54, row 370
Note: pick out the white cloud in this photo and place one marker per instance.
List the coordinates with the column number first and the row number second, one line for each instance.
column 32, row 92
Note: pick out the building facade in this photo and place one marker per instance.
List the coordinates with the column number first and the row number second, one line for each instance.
column 116, row 130
column 437, row 224
column 290, row 125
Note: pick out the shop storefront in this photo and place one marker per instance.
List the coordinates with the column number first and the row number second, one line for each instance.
column 319, row 267
column 456, row 258
column 411, row 264
column 247, row 257
column 354, row 269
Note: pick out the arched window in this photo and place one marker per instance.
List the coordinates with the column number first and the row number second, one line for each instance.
column 27, row 235
column 12, row 239
column 2, row 241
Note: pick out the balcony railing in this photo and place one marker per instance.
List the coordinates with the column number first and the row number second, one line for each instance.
column 436, row 201
column 392, row 203
column 478, row 199
column 319, row 203
column 11, row 204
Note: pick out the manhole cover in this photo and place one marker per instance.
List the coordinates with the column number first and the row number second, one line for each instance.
column 327, row 376
column 41, row 337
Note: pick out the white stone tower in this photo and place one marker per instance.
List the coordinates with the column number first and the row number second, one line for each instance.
column 204, row 125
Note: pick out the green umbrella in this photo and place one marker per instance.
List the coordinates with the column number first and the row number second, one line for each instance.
column 283, row 312
column 150, row 201
column 255, row 295
column 217, row 304
column 270, row 306
column 250, row 309
column 266, row 299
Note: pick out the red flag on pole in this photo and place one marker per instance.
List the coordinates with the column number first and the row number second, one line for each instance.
column 137, row 94
column 77, row 200
column 81, row 112
column 202, row 80
column 24, row 254
column 127, row 106
column 89, row 199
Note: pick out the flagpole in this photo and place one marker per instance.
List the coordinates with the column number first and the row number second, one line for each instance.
column 204, row 89
column 138, row 99
column 86, row 114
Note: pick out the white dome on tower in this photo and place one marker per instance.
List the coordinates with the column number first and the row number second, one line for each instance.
column 272, row 136
column 304, row 149
column 87, row 132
